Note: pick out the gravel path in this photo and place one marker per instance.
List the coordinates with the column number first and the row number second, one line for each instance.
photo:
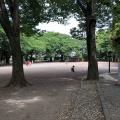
column 98, row 100
column 110, row 97
column 88, row 104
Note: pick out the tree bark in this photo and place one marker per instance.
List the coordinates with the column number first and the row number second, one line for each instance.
column 12, row 30
column 93, row 73
column 18, row 78
column 89, row 13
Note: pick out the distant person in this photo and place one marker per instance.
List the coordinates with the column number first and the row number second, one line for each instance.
column 73, row 68
column 65, row 62
column 28, row 63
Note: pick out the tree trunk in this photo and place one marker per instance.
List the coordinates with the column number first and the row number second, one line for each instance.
column 31, row 54
column 18, row 78
column 89, row 13
column 62, row 57
column 93, row 73
column 12, row 30
column 7, row 60
column 50, row 59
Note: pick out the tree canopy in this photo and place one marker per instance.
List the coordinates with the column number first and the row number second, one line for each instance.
column 51, row 44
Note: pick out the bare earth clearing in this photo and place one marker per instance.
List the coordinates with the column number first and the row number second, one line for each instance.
column 51, row 97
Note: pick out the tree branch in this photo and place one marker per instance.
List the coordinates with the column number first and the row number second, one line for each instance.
column 1, row 18
column 10, row 5
column 81, row 6
column 16, row 16
column 4, row 14
column 4, row 18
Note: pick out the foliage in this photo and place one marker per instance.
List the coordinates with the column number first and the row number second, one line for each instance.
column 38, row 11
column 115, row 28
column 103, row 43
column 60, row 44
column 5, row 50
column 83, row 49
column 50, row 44
column 32, row 43
column 116, row 45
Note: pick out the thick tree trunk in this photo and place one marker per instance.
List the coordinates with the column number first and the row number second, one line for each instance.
column 12, row 30
column 93, row 73
column 18, row 78
column 89, row 13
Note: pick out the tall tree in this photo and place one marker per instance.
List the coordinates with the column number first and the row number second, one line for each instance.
column 23, row 16
column 60, row 45
column 91, row 14
column 9, row 19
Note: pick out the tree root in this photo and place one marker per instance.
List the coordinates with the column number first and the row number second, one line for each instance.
column 18, row 84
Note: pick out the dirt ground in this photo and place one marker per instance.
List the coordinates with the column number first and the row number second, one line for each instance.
column 51, row 96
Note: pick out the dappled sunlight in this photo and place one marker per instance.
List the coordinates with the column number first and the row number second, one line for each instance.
column 106, row 84
column 21, row 103
column 70, row 79
column 10, row 111
column 72, row 88
column 73, row 78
